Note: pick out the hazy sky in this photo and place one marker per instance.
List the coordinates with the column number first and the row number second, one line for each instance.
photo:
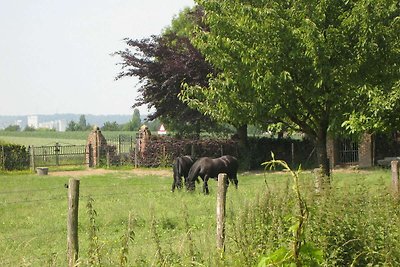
column 55, row 54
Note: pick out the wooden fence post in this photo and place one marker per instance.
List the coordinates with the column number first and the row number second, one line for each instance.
column 137, row 152
column 72, row 222
column 32, row 150
column 395, row 177
column 221, row 203
column 57, row 153
column 119, row 145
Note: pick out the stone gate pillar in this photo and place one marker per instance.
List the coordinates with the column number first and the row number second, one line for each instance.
column 95, row 147
column 144, row 138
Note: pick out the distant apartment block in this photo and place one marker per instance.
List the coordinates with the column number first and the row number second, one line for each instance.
column 33, row 121
column 58, row 125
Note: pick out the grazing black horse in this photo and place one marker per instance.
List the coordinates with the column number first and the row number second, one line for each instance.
column 181, row 168
column 210, row 168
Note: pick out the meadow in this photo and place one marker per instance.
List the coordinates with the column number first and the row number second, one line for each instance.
column 130, row 218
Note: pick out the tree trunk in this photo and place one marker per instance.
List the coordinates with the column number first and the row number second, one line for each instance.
column 243, row 145
column 241, row 132
column 322, row 153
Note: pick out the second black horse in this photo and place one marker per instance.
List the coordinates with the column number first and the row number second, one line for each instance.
column 208, row 168
column 181, row 167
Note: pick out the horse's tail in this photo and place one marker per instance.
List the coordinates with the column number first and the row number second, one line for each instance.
column 192, row 177
column 179, row 165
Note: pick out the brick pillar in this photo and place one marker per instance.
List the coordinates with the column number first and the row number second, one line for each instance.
column 365, row 151
column 95, row 142
column 144, row 139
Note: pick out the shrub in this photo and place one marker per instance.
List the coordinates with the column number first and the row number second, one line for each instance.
column 13, row 157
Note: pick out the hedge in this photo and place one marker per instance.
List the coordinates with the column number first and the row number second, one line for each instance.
column 161, row 151
column 13, row 157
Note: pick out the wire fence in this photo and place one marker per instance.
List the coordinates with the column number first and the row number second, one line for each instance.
column 15, row 201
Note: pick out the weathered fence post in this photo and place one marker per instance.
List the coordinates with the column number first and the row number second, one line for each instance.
column 57, row 152
column 32, row 150
column 137, row 152
column 119, row 145
column 221, row 203
column 395, row 177
column 72, row 222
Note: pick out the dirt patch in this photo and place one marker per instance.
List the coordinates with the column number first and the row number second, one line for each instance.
column 139, row 172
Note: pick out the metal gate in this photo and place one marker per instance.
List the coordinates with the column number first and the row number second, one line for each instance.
column 348, row 151
column 57, row 155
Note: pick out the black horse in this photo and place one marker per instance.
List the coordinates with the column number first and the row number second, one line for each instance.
column 181, row 168
column 210, row 168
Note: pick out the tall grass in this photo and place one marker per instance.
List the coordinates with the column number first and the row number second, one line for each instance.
column 355, row 223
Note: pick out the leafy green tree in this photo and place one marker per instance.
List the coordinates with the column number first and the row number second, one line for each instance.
column 153, row 125
column 12, row 128
column 111, row 126
column 72, row 126
column 81, row 125
column 135, row 122
column 307, row 64
column 29, row 129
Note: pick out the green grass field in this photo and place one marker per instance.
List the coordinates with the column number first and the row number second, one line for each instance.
column 34, row 212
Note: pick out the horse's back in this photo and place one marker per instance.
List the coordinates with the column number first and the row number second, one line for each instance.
column 183, row 164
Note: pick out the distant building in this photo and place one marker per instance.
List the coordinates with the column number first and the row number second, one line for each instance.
column 58, row 125
column 61, row 125
column 33, row 121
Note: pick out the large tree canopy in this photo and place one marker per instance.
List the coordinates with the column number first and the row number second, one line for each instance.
column 162, row 63
column 307, row 63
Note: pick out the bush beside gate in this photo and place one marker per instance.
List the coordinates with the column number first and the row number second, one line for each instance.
column 13, row 157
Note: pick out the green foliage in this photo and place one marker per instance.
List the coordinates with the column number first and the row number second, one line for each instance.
column 13, row 157
column 135, row 123
column 312, row 65
column 301, row 252
column 111, row 126
column 12, row 128
column 29, row 129
column 126, row 239
column 81, row 125
column 185, row 22
column 94, row 257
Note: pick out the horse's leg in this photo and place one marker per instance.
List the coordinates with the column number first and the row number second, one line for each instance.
column 179, row 184
column 173, row 186
column 205, row 185
column 185, row 181
column 235, row 180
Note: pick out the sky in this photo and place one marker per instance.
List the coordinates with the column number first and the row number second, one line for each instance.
column 55, row 54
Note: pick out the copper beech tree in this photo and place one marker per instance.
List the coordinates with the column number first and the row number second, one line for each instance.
column 162, row 64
